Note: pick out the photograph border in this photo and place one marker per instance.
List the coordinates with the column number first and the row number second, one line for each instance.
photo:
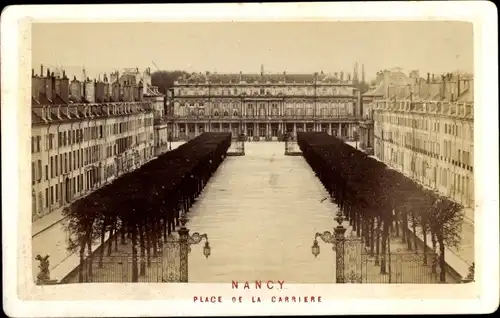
column 23, row 298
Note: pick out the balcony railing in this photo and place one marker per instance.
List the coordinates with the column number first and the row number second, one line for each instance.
column 258, row 117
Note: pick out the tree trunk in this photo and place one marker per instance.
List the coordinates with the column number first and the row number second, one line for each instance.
column 377, row 245
column 354, row 219
column 170, row 224
column 414, row 228
column 143, row 249
column 148, row 243
column 102, row 246
column 89, row 258
column 404, row 227
column 116, row 236
column 135, row 269
column 165, row 228
column 424, row 233
column 156, row 239
column 434, row 251
column 359, row 224
column 396, row 222
column 372, row 238
column 110, row 239
column 366, row 232
column 83, row 268
column 385, row 236
column 122, row 235
column 391, row 225
column 442, row 264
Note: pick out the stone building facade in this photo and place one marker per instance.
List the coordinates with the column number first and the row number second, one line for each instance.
column 84, row 134
column 425, row 129
column 264, row 106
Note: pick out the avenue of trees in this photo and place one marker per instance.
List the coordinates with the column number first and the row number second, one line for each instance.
column 143, row 205
column 379, row 201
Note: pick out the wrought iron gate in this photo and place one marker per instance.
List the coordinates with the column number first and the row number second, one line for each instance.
column 172, row 252
column 356, row 263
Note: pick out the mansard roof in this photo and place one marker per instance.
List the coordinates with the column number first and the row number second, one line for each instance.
column 227, row 78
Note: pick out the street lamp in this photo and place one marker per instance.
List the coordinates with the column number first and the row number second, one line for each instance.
column 196, row 237
column 337, row 239
column 315, row 248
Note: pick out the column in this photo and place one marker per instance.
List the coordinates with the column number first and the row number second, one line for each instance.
column 255, row 129
column 196, row 129
column 220, row 127
column 268, row 129
column 295, row 129
column 340, row 130
column 330, row 129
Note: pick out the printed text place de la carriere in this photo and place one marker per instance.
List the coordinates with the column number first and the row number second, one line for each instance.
column 271, row 285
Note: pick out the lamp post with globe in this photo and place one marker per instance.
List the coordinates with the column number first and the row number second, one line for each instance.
column 185, row 241
column 337, row 238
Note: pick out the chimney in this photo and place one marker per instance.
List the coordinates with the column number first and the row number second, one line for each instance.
column 35, row 87
column 342, row 76
column 64, row 88
column 458, row 86
column 32, row 72
column 428, row 78
column 41, row 70
column 433, row 78
column 141, row 92
column 53, row 84
column 115, row 91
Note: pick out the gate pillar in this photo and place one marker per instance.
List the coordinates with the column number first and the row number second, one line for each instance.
column 184, row 250
column 339, row 253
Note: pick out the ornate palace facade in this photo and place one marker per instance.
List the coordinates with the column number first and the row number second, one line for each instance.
column 265, row 106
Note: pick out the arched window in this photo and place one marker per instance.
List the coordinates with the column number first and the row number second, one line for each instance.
column 202, row 112
column 235, row 113
column 226, row 113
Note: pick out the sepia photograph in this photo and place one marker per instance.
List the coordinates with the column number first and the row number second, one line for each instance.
column 253, row 155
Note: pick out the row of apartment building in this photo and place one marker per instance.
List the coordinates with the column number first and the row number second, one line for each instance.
column 424, row 127
column 265, row 106
column 87, row 133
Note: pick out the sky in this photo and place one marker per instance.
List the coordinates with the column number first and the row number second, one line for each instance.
column 231, row 47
